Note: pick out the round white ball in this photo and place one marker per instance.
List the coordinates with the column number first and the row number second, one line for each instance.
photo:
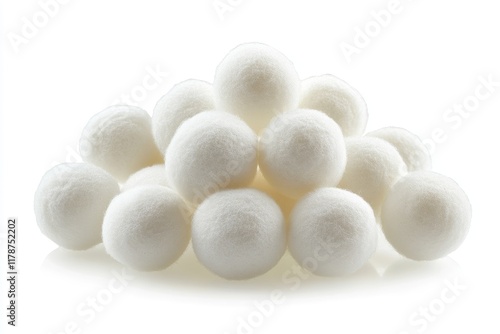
column 146, row 228
column 211, row 151
column 426, row 216
column 119, row 140
column 239, row 234
column 302, row 150
column 183, row 101
column 332, row 232
column 410, row 147
column 256, row 82
column 373, row 166
column 337, row 99
column 70, row 203
column 152, row 175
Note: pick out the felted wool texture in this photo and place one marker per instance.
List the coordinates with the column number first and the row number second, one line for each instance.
column 284, row 202
column 239, row 234
column 183, row 101
column 337, row 99
column 373, row 166
column 119, row 140
column 70, row 203
column 211, row 151
column 256, row 82
column 332, row 232
column 426, row 216
column 152, row 175
column 410, row 147
column 146, row 228
column 302, row 150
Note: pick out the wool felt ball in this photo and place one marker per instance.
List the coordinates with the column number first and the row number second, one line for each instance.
column 146, row 228
column 70, row 203
column 373, row 166
column 239, row 233
column 211, row 151
column 426, row 216
column 302, row 150
column 332, row 232
column 152, row 175
column 337, row 99
column 410, row 147
column 183, row 101
column 119, row 140
column 256, row 82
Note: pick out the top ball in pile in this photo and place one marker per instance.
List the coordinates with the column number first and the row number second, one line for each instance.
column 256, row 82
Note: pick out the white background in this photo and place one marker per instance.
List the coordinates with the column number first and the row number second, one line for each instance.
column 428, row 58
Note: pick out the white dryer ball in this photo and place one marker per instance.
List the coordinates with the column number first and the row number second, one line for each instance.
column 183, row 101
column 337, row 99
column 373, row 166
column 426, row 216
column 70, row 203
column 152, row 175
column 332, row 232
column 146, row 228
column 256, row 82
column 302, row 150
column 211, row 151
column 119, row 140
column 410, row 147
column 239, row 234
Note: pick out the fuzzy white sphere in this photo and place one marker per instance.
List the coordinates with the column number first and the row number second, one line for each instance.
column 426, row 216
column 332, row 232
column 239, row 234
column 302, row 150
column 152, row 175
column 209, row 152
column 119, row 140
column 256, row 82
column 373, row 166
column 410, row 147
column 183, row 101
column 70, row 203
column 337, row 99
column 146, row 228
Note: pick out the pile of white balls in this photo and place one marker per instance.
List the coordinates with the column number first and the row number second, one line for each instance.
column 246, row 167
